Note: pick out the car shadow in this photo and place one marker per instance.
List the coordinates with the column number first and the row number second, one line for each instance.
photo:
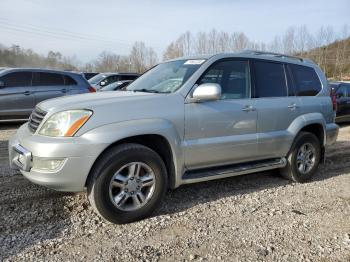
column 187, row 196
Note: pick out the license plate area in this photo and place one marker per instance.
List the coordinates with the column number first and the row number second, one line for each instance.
column 22, row 158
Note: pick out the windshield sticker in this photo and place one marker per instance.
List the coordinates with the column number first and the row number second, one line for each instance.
column 194, row 62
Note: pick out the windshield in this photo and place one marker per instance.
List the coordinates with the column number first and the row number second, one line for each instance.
column 166, row 77
column 96, row 79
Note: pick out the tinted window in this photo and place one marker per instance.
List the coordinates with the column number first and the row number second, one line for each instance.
column 128, row 77
column 270, row 80
column 306, row 80
column 17, row 79
column 232, row 76
column 48, row 79
column 343, row 91
column 68, row 81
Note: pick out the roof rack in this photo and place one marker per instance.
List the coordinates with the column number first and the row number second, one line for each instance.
column 254, row 52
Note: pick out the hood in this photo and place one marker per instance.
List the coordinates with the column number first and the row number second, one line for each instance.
column 92, row 100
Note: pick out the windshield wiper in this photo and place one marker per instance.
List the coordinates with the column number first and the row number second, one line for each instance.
column 148, row 91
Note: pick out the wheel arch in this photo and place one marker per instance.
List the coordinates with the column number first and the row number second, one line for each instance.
column 163, row 140
column 313, row 123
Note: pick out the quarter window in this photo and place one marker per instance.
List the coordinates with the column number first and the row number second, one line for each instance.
column 68, row 81
column 17, row 79
column 306, row 80
column 270, row 79
column 232, row 76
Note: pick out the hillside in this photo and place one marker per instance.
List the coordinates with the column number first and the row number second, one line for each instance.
column 334, row 59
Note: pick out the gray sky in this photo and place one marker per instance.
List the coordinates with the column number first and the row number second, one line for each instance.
column 85, row 28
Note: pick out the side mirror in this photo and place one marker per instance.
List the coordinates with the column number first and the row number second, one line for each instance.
column 103, row 83
column 207, row 92
column 2, row 84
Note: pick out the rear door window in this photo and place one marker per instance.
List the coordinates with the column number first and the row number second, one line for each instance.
column 48, row 79
column 306, row 80
column 17, row 79
column 270, row 79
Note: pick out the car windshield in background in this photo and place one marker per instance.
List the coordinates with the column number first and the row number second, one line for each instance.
column 96, row 79
column 166, row 77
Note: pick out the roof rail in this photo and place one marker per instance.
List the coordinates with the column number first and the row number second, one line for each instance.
column 254, row 52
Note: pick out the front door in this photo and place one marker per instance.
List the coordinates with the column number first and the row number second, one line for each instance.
column 223, row 131
column 16, row 97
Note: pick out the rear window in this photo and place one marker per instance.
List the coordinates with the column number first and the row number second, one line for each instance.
column 306, row 80
column 270, row 79
column 48, row 79
column 17, row 79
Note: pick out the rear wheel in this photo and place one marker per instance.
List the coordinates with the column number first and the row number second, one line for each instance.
column 127, row 183
column 303, row 159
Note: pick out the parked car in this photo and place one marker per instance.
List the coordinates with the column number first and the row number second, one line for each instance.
column 104, row 79
column 89, row 75
column 119, row 85
column 341, row 91
column 231, row 114
column 22, row 88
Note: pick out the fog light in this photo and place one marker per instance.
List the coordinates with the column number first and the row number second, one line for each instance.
column 47, row 164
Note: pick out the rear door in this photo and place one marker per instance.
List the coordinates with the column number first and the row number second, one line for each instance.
column 277, row 107
column 16, row 97
column 48, row 85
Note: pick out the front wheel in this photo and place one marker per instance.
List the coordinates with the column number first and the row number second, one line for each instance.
column 127, row 183
column 303, row 159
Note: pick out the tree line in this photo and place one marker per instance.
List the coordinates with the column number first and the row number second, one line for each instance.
column 330, row 49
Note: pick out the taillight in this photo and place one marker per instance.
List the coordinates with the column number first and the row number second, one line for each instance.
column 334, row 100
column 91, row 89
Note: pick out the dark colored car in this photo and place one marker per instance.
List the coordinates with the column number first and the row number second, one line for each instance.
column 342, row 94
column 22, row 88
column 89, row 75
column 104, row 79
column 119, row 85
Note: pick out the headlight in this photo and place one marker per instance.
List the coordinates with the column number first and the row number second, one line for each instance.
column 65, row 123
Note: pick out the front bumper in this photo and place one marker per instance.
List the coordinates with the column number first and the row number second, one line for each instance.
column 78, row 152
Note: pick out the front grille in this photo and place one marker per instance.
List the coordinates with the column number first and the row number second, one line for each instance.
column 35, row 119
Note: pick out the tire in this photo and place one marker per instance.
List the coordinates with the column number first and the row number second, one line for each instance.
column 119, row 201
column 292, row 170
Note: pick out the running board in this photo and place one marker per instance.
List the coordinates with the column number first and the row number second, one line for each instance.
column 201, row 175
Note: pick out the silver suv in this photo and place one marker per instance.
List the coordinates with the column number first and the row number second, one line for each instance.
column 186, row 120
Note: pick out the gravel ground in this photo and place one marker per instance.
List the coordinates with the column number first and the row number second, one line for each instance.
column 249, row 218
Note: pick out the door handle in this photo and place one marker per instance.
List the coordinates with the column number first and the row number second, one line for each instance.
column 27, row 93
column 64, row 90
column 248, row 108
column 293, row 106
